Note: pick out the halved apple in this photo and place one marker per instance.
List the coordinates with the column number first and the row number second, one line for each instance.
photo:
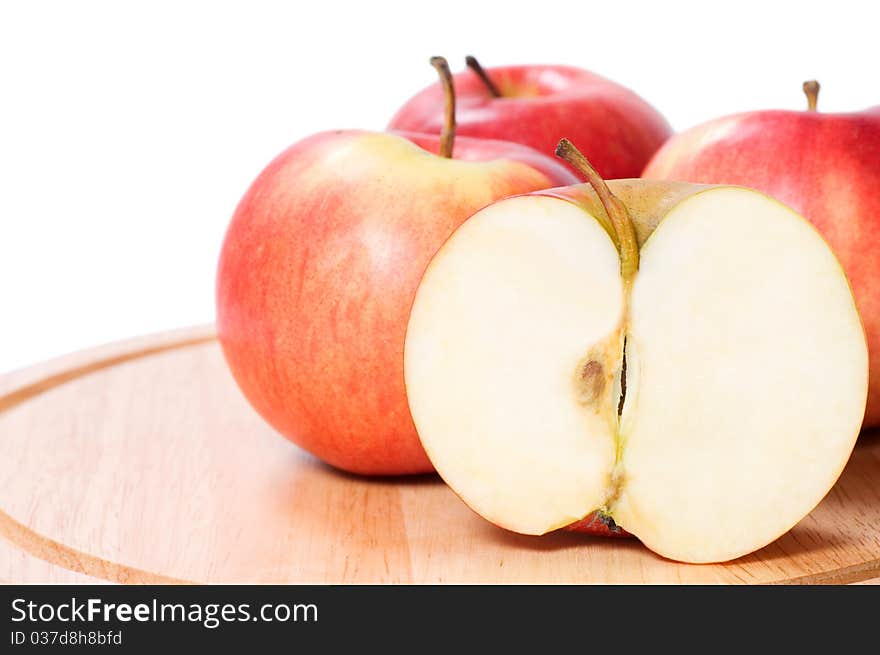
column 685, row 360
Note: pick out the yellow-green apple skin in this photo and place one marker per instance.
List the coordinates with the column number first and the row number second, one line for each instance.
column 318, row 271
column 824, row 165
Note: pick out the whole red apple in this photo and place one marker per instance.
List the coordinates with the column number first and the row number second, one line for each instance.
column 539, row 105
column 319, row 269
column 825, row 166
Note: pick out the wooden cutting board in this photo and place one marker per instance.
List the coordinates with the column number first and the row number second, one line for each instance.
column 141, row 462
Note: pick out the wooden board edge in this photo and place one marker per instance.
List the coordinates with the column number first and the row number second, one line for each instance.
column 56, row 553
column 40, row 378
column 24, row 384
column 863, row 572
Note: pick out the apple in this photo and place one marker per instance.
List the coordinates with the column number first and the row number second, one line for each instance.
column 685, row 361
column 318, row 270
column 538, row 105
column 826, row 166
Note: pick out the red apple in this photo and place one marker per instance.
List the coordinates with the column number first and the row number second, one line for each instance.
column 538, row 105
column 319, row 269
column 825, row 166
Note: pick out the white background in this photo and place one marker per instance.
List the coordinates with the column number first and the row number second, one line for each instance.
column 128, row 131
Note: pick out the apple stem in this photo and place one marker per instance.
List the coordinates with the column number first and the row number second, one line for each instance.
column 447, row 136
column 811, row 89
column 475, row 66
column 616, row 210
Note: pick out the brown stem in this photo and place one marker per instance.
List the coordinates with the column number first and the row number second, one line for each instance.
column 811, row 89
column 474, row 65
column 616, row 210
column 447, row 136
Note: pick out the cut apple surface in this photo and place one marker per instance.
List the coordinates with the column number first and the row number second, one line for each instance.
column 745, row 378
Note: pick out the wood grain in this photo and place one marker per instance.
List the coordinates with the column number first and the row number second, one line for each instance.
column 141, row 462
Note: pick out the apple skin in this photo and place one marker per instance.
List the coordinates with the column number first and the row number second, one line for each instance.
column 616, row 128
column 594, row 525
column 825, row 166
column 317, row 274
column 476, row 149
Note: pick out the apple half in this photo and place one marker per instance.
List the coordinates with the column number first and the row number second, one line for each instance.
column 686, row 361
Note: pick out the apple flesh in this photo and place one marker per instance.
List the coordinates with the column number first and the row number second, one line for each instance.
column 745, row 375
column 541, row 104
column 824, row 165
column 318, row 271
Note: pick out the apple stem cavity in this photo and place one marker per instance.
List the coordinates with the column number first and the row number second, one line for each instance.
column 618, row 214
column 447, row 136
column 811, row 89
column 475, row 66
